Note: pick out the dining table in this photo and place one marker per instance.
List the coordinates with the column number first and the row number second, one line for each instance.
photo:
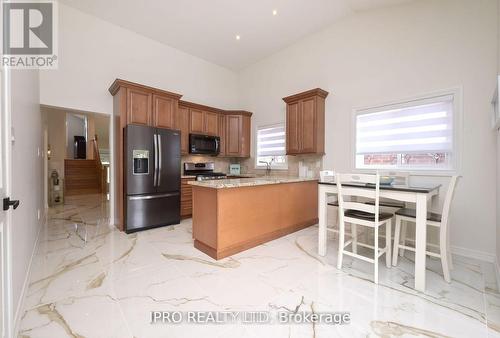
column 421, row 195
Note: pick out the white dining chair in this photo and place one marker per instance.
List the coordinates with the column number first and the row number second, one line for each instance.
column 360, row 213
column 439, row 220
column 400, row 178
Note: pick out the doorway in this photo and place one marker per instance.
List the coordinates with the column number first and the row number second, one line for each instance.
column 78, row 151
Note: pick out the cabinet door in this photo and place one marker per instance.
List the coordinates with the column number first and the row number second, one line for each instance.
column 293, row 128
column 164, row 112
column 222, row 134
column 233, row 130
column 245, row 136
column 211, row 123
column 139, row 107
column 197, row 119
column 308, row 125
column 183, row 125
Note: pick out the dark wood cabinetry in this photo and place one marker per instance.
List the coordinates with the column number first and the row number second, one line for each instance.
column 305, row 122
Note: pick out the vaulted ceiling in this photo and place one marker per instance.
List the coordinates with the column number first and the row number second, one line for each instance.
column 208, row 28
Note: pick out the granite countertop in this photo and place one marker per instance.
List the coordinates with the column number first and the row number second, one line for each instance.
column 249, row 182
column 188, row 176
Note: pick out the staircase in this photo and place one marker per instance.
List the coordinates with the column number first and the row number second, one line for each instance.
column 81, row 177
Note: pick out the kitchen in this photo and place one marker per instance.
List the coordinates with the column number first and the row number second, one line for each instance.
column 159, row 128
column 266, row 160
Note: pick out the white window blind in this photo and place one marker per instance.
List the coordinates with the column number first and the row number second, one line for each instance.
column 271, row 140
column 412, row 129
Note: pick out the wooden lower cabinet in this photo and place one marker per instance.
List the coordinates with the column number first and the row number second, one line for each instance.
column 186, row 198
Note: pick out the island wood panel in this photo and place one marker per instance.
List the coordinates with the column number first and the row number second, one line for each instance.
column 248, row 216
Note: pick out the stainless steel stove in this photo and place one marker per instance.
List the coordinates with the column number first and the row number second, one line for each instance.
column 203, row 171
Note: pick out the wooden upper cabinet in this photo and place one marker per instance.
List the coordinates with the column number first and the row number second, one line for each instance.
column 139, row 106
column 165, row 112
column 211, row 123
column 246, row 130
column 305, row 122
column 197, row 121
column 292, row 128
column 308, row 125
column 238, row 134
column 233, row 135
column 222, row 135
column 183, row 122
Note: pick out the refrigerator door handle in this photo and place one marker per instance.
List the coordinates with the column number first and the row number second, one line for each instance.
column 159, row 159
column 156, row 160
column 150, row 197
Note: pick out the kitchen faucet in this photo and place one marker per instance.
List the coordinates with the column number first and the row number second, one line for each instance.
column 268, row 166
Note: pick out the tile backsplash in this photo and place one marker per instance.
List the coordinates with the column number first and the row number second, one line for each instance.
column 313, row 163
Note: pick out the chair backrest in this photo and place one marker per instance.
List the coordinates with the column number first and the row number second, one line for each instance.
column 349, row 191
column 400, row 177
column 447, row 201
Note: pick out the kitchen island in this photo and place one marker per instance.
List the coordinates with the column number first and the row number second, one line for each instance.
column 233, row 215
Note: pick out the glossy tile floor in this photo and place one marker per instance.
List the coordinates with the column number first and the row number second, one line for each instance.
column 108, row 286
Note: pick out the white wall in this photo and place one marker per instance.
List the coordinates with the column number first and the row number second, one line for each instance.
column 75, row 126
column 93, row 53
column 27, row 173
column 395, row 53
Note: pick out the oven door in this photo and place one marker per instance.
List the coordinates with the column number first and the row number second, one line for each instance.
column 204, row 144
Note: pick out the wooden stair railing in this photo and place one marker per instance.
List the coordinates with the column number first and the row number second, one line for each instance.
column 101, row 169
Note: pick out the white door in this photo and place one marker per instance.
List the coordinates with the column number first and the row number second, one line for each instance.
column 6, row 322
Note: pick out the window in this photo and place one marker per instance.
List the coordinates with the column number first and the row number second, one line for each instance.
column 271, row 147
column 416, row 135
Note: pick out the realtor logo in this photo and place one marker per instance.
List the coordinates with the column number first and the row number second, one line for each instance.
column 29, row 35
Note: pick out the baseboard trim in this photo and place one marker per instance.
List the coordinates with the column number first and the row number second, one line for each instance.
column 471, row 253
column 22, row 298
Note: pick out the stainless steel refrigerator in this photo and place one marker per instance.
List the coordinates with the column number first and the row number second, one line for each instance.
column 152, row 177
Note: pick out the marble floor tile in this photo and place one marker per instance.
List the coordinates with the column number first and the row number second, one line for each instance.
column 90, row 280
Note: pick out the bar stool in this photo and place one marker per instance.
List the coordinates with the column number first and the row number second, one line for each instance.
column 439, row 220
column 359, row 213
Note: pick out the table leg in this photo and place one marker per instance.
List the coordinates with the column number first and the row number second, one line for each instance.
column 322, row 216
column 420, row 242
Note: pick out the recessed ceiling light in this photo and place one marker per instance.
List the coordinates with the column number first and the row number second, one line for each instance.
column 238, row 37
column 275, row 12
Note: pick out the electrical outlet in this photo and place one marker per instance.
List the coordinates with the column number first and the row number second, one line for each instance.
column 38, row 214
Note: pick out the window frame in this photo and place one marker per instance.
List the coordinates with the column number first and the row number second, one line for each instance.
column 456, row 162
column 273, row 166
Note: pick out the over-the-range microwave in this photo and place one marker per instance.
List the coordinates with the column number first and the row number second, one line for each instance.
column 204, row 144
